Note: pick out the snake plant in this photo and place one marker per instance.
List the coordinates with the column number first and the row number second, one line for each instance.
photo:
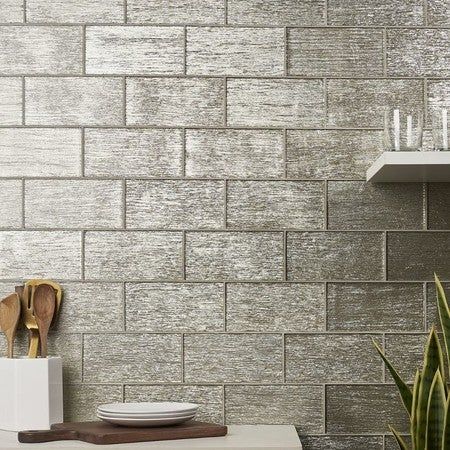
column 428, row 401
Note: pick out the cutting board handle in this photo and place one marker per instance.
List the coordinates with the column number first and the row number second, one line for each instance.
column 35, row 436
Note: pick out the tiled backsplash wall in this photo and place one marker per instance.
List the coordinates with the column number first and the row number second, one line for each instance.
column 192, row 172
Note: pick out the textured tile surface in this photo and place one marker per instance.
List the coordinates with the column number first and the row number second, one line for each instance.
column 234, row 153
column 374, row 307
column 228, row 358
column 334, row 256
column 287, row 307
column 10, row 101
column 174, row 307
column 331, row 358
column 412, row 256
column 80, row 11
column 287, row 12
column 431, row 306
column 360, row 205
column 134, row 50
column 438, row 12
column 175, row 204
column 75, row 204
column 234, row 256
column 285, row 405
column 361, row 103
column 175, row 101
column 335, row 52
column 56, row 254
column 12, row 11
column 341, row 154
column 438, row 206
column 132, row 255
column 210, row 398
column 364, row 409
column 336, row 442
column 74, row 101
column 438, row 97
column 275, row 204
column 132, row 358
column 275, row 102
column 134, row 153
column 11, row 203
column 418, row 52
column 235, row 51
column 176, row 11
column 39, row 50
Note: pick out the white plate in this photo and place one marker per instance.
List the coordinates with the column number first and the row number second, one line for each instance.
column 148, row 408
column 145, row 422
column 146, row 416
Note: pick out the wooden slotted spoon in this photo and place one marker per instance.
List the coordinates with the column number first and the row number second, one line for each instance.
column 9, row 319
column 44, row 305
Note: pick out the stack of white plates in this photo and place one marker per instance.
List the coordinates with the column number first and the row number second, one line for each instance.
column 147, row 414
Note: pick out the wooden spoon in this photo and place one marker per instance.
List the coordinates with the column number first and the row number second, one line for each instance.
column 44, row 303
column 9, row 319
column 26, row 295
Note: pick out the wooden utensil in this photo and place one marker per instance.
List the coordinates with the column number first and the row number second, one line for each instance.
column 9, row 319
column 33, row 283
column 25, row 293
column 105, row 433
column 44, row 304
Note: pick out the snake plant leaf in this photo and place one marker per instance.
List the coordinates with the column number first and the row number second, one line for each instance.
column 401, row 443
column 444, row 315
column 433, row 361
column 414, row 409
column 403, row 388
column 446, row 433
column 437, row 404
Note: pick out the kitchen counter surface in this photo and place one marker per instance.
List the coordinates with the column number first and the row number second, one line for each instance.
column 240, row 437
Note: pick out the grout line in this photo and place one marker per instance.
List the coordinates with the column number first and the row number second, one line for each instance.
column 124, row 204
column 225, row 292
column 182, row 358
column 82, row 358
column 124, row 307
column 425, row 102
column 326, row 307
column 325, row 205
column 224, row 402
column 425, row 205
column 23, row 101
column 324, row 405
column 24, row 6
column 425, row 12
column 225, row 101
column 183, row 153
column 185, row 50
column 83, row 49
column 124, row 101
column 225, row 204
column 23, row 204
column 385, row 255
column 425, row 302
column 82, row 149
column 183, row 255
column 83, row 243
column 286, row 55
column 225, row 10
column 285, row 269
column 125, row 11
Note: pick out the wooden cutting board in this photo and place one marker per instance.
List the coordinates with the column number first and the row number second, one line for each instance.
column 105, row 433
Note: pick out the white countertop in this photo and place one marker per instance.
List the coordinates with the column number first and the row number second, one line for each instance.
column 239, row 437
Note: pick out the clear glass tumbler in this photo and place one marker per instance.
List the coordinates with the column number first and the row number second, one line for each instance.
column 441, row 129
column 402, row 132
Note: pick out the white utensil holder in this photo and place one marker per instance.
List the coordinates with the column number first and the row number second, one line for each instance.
column 31, row 393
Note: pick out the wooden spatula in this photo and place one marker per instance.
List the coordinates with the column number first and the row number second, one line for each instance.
column 9, row 319
column 44, row 303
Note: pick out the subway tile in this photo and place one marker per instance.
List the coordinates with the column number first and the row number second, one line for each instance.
column 133, row 153
column 382, row 12
column 176, row 11
column 405, row 352
column 438, row 97
column 275, row 102
column 359, row 205
column 316, row 256
column 12, row 11
column 418, row 52
column 364, row 409
column 175, row 101
column 130, row 255
column 7, row 287
column 81, row 400
column 438, row 206
column 346, row 442
column 413, row 256
column 233, row 358
column 335, row 52
column 75, row 11
column 40, row 152
column 390, row 443
column 11, row 203
column 175, row 204
column 134, row 50
column 83, row 304
column 361, row 103
column 112, row 358
column 276, row 405
column 174, row 307
column 74, row 101
column 40, row 254
column 73, row 203
column 275, row 204
column 275, row 307
column 344, row 154
column 438, row 13
column 374, row 307
column 234, row 51
column 432, row 313
column 60, row 50
column 210, row 398
column 331, row 358
column 239, row 256
column 234, row 153
column 285, row 13
column 10, row 101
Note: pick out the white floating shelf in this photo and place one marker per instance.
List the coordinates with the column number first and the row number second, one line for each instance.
column 410, row 167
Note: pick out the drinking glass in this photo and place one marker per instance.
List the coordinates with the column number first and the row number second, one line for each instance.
column 441, row 130
column 402, row 132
